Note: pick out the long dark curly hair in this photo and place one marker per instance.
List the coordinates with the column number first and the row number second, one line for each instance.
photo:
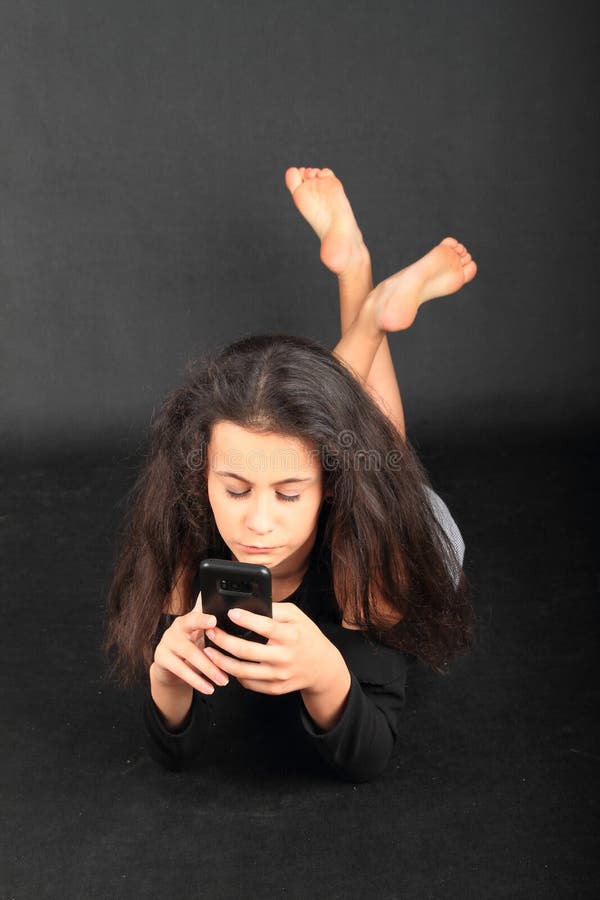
column 384, row 538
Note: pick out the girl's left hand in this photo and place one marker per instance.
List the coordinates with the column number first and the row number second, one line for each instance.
column 297, row 657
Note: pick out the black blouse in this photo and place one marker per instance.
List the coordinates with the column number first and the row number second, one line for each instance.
column 233, row 719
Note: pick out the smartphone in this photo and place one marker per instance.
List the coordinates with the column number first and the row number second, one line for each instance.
column 226, row 584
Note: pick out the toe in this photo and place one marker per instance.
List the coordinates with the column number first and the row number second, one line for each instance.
column 466, row 258
column 324, row 173
column 450, row 242
column 293, row 179
column 470, row 270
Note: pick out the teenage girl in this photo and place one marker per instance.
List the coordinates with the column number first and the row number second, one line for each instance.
column 280, row 452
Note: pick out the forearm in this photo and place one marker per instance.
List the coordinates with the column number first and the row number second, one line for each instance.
column 173, row 702
column 325, row 700
column 359, row 745
column 380, row 380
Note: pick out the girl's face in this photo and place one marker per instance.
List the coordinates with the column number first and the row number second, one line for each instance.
column 265, row 491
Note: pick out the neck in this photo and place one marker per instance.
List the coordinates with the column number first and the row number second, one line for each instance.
column 285, row 585
column 287, row 577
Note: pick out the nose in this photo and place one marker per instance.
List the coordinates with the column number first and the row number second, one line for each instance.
column 259, row 514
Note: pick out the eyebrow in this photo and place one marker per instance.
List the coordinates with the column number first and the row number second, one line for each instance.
column 275, row 483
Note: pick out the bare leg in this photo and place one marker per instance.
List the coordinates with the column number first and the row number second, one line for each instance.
column 366, row 314
column 320, row 197
column 381, row 381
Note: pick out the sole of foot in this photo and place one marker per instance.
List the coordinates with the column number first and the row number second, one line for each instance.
column 441, row 272
column 320, row 197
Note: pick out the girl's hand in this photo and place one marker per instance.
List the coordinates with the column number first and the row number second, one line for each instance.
column 297, row 657
column 180, row 655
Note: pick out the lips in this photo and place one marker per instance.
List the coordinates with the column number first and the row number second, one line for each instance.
column 258, row 549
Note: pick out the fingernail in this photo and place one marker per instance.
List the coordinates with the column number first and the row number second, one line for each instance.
column 222, row 681
column 211, row 633
column 235, row 614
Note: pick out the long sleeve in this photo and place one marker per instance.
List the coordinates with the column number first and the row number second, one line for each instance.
column 359, row 746
column 174, row 749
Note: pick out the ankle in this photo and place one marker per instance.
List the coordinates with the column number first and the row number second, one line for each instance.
column 360, row 264
column 367, row 318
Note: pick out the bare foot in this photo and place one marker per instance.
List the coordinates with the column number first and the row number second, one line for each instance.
column 442, row 271
column 320, row 197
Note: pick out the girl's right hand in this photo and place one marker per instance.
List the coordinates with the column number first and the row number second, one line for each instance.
column 180, row 656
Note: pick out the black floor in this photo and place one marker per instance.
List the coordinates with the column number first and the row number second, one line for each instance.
column 493, row 789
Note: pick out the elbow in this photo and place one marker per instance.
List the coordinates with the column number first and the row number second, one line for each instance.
column 366, row 765
column 363, row 773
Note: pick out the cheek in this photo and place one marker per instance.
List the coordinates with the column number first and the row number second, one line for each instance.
column 211, row 500
column 305, row 521
column 219, row 510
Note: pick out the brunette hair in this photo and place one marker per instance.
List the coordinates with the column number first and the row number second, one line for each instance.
column 383, row 535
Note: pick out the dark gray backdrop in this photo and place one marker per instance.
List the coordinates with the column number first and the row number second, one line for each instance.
column 144, row 215
column 143, row 218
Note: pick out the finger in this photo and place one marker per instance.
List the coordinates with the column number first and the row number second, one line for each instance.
column 264, row 687
column 250, row 685
column 198, row 659
column 263, row 625
column 180, row 668
column 239, row 647
column 285, row 612
column 195, row 620
column 192, row 653
column 240, row 668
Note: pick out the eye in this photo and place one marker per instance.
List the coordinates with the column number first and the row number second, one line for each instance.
column 288, row 498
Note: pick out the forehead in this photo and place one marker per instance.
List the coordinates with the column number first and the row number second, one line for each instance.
column 249, row 453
